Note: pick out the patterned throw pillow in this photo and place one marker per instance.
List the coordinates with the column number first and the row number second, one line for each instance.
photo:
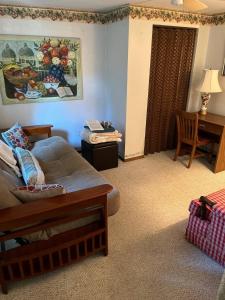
column 31, row 193
column 15, row 137
column 30, row 168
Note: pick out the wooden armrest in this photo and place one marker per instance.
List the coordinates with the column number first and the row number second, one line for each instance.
column 38, row 130
column 26, row 214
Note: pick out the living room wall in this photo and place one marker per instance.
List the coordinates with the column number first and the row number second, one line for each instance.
column 116, row 76
column 67, row 117
column 113, row 86
column 139, row 55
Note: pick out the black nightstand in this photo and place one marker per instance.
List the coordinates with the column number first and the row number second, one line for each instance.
column 101, row 156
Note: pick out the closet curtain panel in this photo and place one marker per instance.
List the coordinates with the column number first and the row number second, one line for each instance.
column 170, row 71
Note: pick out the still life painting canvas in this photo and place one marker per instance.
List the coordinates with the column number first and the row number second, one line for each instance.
column 39, row 69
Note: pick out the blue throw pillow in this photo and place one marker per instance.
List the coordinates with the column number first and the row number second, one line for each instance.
column 30, row 168
column 15, row 137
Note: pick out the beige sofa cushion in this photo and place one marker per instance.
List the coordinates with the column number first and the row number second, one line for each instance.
column 63, row 165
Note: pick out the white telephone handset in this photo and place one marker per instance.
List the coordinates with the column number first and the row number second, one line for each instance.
column 94, row 125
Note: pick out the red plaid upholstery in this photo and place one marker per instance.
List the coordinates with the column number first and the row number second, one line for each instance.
column 209, row 235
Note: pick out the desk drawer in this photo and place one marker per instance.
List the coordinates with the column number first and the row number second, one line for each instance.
column 209, row 127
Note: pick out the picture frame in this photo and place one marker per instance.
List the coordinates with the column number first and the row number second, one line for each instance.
column 40, row 69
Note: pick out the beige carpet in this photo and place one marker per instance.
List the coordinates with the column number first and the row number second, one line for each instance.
column 149, row 257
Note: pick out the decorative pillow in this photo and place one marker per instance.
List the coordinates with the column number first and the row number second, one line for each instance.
column 15, row 137
column 31, row 193
column 30, row 168
column 6, row 154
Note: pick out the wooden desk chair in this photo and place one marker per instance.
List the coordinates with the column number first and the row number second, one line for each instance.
column 187, row 130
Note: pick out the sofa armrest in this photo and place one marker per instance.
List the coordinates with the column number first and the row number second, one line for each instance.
column 47, row 212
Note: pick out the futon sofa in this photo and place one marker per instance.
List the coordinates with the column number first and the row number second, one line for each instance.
column 60, row 230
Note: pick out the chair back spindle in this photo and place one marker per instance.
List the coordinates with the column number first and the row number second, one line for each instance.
column 187, row 125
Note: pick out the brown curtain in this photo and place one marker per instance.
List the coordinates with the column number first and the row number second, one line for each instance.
column 171, row 65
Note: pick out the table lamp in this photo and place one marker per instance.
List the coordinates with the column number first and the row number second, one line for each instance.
column 210, row 84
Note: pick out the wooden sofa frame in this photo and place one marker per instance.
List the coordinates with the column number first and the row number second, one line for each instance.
column 42, row 256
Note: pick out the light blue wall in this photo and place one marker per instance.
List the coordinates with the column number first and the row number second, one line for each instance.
column 67, row 117
column 116, row 75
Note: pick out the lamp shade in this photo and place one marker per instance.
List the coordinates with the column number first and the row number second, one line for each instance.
column 210, row 83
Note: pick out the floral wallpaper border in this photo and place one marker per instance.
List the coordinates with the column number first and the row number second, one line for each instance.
column 117, row 14
column 136, row 12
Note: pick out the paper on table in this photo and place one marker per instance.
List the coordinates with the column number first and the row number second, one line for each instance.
column 94, row 125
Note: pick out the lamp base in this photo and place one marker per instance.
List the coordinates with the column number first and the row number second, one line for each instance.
column 205, row 101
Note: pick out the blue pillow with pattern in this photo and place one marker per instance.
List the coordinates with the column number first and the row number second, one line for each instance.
column 15, row 137
column 30, row 168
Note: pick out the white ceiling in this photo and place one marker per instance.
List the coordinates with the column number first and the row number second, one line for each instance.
column 214, row 6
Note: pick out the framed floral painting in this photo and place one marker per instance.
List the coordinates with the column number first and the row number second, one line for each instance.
column 39, row 69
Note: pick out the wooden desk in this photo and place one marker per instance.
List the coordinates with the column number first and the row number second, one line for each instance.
column 215, row 124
